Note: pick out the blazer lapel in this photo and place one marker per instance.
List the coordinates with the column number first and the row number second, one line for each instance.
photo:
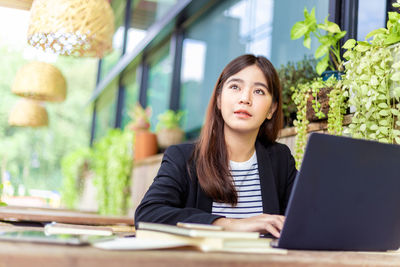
column 267, row 180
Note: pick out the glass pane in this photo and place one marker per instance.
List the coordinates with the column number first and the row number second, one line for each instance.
column 105, row 108
column 159, row 83
column 233, row 28
column 112, row 58
column 143, row 14
column 371, row 16
column 131, row 83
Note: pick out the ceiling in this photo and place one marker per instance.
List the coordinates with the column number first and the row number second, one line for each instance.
column 19, row 4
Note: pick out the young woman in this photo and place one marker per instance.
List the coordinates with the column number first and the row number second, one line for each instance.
column 236, row 175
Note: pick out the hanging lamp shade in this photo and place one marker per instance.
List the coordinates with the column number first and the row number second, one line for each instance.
column 72, row 27
column 41, row 81
column 28, row 113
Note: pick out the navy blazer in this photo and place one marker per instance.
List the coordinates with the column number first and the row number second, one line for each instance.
column 175, row 196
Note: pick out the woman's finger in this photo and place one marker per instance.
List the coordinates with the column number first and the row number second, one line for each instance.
column 272, row 230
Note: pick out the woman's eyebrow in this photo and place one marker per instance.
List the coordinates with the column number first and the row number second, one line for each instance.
column 235, row 80
column 261, row 84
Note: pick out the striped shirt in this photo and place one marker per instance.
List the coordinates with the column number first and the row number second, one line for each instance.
column 247, row 183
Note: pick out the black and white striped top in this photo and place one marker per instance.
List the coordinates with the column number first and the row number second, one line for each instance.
column 247, row 183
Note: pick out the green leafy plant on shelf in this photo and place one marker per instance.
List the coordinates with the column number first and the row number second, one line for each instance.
column 140, row 118
column 74, row 167
column 373, row 79
column 112, row 164
column 328, row 35
column 290, row 75
column 168, row 128
column 170, row 119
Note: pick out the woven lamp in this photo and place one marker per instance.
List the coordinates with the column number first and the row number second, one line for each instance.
column 72, row 27
column 41, row 81
column 28, row 113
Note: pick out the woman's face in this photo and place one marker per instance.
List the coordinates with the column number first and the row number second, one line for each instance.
column 245, row 101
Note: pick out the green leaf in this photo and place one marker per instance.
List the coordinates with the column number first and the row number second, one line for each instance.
column 322, row 65
column 375, row 32
column 384, row 112
column 363, row 127
column 383, row 105
column 307, row 41
column 321, row 51
column 298, row 30
column 395, row 76
column 339, row 36
column 397, row 140
column 347, row 54
column 392, row 38
column 374, row 127
column 349, row 44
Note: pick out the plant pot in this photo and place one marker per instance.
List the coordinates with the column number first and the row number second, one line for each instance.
column 328, row 73
column 169, row 137
column 323, row 99
column 145, row 145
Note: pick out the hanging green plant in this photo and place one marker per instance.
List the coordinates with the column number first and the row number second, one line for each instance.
column 301, row 95
column 112, row 160
column 373, row 76
column 73, row 168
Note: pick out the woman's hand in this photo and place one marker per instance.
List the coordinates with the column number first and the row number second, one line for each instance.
column 263, row 223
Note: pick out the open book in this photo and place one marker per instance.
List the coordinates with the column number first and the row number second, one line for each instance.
column 201, row 237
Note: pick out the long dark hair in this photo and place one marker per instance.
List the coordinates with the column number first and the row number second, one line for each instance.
column 210, row 154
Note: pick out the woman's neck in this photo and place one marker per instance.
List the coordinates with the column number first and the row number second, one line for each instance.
column 240, row 146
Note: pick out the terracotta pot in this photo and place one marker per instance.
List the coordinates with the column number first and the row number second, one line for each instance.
column 169, row 137
column 145, row 144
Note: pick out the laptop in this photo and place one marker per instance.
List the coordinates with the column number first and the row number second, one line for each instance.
column 346, row 196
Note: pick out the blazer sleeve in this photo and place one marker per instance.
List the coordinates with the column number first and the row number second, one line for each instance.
column 166, row 199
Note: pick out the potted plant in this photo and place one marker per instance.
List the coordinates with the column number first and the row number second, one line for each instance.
column 328, row 35
column 322, row 97
column 373, row 80
column 168, row 129
column 145, row 142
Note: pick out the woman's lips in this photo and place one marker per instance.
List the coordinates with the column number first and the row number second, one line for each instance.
column 242, row 114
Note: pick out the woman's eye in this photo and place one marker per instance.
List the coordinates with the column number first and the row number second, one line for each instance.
column 234, row 87
column 259, row 92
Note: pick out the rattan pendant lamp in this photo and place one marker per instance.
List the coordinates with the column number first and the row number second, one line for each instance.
column 72, row 27
column 28, row 113
column 40, row 81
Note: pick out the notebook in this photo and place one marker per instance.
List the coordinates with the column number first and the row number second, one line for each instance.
column 346, row 196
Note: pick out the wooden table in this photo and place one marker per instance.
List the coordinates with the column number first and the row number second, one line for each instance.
column 32, row 255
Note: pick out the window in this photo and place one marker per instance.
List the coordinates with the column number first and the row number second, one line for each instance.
column 233, row 28
column 144, row 13
column 105, row 108
column 159, row 82
column 371, row 16
column 131, row 83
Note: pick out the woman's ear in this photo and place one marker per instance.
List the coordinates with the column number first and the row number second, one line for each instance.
column 219, row 101
column 271, row 111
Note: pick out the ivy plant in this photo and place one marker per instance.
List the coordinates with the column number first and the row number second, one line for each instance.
column 301, row 95
column 373, row 76
column 73, row 166
column 112, row 163
column 328, row 35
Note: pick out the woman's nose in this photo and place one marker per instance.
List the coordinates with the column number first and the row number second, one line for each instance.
column 245, row 97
